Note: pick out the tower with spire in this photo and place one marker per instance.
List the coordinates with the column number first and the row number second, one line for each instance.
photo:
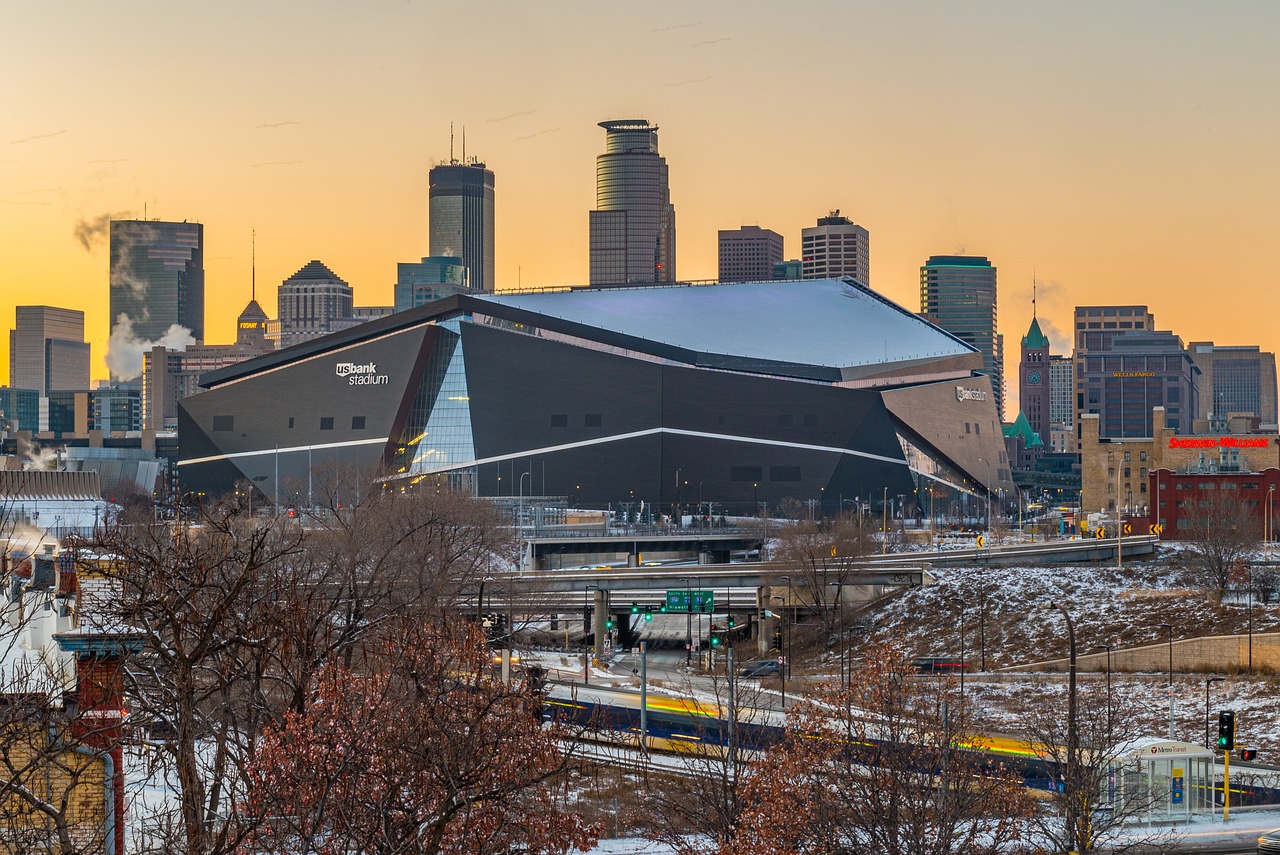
column 1033, row 375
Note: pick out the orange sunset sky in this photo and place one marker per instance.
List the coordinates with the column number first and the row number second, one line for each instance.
column 1124, row 152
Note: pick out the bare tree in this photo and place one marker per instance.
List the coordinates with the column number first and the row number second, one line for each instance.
column 1087, row 800
column 427, row 752
column 821, row 558
column 1223, row 531
column 881, row 767
column 698, row 810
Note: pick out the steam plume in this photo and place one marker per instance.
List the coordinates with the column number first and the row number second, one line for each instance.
column 125, row 348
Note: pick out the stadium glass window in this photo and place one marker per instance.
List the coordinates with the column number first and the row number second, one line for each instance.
column 326, row 423
column 221, row 423
column 357, row 422
column 559, row 419
column 290, row 422
column 746, row 473
column 593, row 420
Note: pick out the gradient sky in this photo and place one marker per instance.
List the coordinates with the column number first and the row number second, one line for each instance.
column 1123, row 151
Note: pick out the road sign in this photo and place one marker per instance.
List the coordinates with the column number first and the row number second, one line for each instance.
column 1099, row 533
column 981, row 541
column 690, row 601
column 1155, row 528
column 1128, row 528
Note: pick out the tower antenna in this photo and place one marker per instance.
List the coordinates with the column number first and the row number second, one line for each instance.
column 1033, row 292
column 253, row 265
column 451, row 160
column 464, row 143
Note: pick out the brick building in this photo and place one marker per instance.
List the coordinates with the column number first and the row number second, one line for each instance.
column 1114, row 470
column 1181, row 497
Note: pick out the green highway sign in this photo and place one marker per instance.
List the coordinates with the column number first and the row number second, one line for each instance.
column 690, row 601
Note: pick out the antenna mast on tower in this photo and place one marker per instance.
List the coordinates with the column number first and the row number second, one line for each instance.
column 253, row 265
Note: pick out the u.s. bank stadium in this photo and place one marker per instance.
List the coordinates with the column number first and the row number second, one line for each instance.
column 742, row 394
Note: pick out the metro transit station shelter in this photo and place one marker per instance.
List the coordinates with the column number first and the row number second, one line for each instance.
column 678, row 395
column 1174, row 780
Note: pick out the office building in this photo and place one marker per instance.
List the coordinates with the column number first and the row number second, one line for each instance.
column 461, row 218
column 633, row 228
column 758, row 391
column 1095, row 328
column 311, row 303
column 47, row 349
column 790, row 270
column 748, row 254
column 835, row 247
column 157, row 278
column 1137, row 371
column 1062, row 411
column 19, row 410
column 958, row 293
column 168, row 375
column 1238, row 380
column 420, row 282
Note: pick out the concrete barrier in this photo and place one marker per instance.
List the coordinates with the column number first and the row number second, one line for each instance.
column 1209, row 653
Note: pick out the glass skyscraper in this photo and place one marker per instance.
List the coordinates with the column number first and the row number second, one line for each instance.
column 157, row 280
column 633, row 229
column 461, row 218
column 420, row 282
column 47, row 349
column 958, row 293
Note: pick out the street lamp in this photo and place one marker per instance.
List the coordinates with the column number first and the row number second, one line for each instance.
column 1207, row 683
column 586, row 661
column 688, row 623
column 1073, row 735
column 1169, row 628
column 1107, row 647
column 784, row 631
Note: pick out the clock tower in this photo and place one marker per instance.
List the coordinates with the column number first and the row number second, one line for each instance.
column 1033, row 380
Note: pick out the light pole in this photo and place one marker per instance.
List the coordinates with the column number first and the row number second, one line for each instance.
column 1169, row 628
column 783, row 631
column 587, row 616
column 520, row 501
column 1207, row 683
column 1073, row 735
column 1107, row 647
column 1269, row 524
column 688, row 623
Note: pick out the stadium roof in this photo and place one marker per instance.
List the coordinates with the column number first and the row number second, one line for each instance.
column 830, row 323
column 822, row 329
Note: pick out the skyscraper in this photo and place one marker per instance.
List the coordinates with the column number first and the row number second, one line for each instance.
column 1235, row 380
column 157, row 277
column 958, row 293
column 1062, row 399
column 633, row 228
column 47, row 349
column 420, row 282
column 1095, row 328
column 461, row 218
column 312, row 302
column 747, row 254
column 835, row 247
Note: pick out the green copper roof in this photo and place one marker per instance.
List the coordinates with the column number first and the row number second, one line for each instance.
column 1021, row 427
column 1035, row 339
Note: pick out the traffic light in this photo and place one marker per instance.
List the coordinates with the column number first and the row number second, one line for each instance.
column 608, row 624
column 648, row 613
column 715, row 639
column 1226, row 730
column 663, row 608
column 730, row 621
column 635, row 608
column 1248, row 753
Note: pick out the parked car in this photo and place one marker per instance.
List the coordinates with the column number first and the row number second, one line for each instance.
column 1269, row 842
column 763, row 668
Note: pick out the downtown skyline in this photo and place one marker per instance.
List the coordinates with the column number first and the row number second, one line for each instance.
column 1122, row 156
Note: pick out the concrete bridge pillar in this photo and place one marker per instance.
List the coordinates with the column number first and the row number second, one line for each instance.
column 599, row 617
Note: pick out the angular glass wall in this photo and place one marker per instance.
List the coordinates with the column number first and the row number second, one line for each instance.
column 437, row 434
column 944, row 494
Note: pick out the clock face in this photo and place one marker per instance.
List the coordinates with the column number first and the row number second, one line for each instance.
column 1033, row 377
